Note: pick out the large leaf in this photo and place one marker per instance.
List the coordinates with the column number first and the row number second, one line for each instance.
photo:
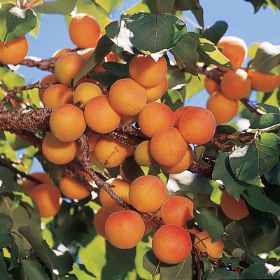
column 266, row 122
column 3, row 268
column 215, row 32
column 33, row 270
column 164, row 6
column 257, row 4
column 6, row 224
column 56, row 7
column 223, row 273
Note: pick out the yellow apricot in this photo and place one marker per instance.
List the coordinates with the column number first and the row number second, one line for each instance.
column 156, row 92
column 61, row 52
column 49, row 79
column 28, row 185
column 142, row 154
column 211, row 85
column 178, row 113
column 99, row 220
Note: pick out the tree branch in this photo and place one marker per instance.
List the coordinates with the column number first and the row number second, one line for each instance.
column 42, row 64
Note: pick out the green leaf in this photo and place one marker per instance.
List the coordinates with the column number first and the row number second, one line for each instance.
column 3, row 268
column 117, row 69
column 255, row 271
column 223, row 273
column 109, row 5
column 209, row 222
column 257, row 4
column 151, row 263
column 215, row 32
column 6, row 224
column 268, row 121
column 7, row 180
column 164, row 6
column 33, row 270
column 63, row 7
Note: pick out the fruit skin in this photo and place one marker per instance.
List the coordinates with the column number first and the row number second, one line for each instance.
column 142, row 154
column 99, row 220
column 263, row 81
column 168, row 146
column 61, row 52
column 177, row 210
column 67, row 67
column 85, row 92
column 233, row 209
column 171, row 244
column 29, row 185
column 234, row 49
column 109, row 152
column 197, row 125
column 49, row 79
column 84, row 31
column 73, row 189
column 92, row 140
column 56, row 151
column 178, row 114
column 146, row 71
column 236, row 85
column 211, row 85
column 67, row 123
column 100, row 116
column 127, row 97
column 155, row 116
column 204, row 244
column 124, row 229
column 14, row 51
column 56, row 95
column 119, row 187
column 222, row 108
column 156, row 92
column 47, row 198
column 182, row 165
column 147, row 193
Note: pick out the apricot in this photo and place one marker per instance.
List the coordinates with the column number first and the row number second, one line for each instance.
column 29, row 185
column 147, row 193
column 177, row 210
column 178, row 113
column 67, row 123
column 222, row 108
column 234, row 49
column 156, row 92
column 155, row 116
column 57, row 95
column 14, row 51
column 142, row 154
column 263, row 81
column 233, row 209
column 204, row 244
column 84, row 31
column 168, row 146
column 120, row 188
column 92, row 140
column 182, row 165
column 47, row 198
column 73, row 189
column 236, row 85
column 56, row 151
column 100, row 116
column 146, row 71
column 109, row 152
column 99, row 220
column 61, row 52
column 127, row 97
column 85, row 92
column 171, row 244
column 149, row 226
column 211, row 85
column 67, row 67
column 124, row 229
column 197, row 125
column 49, row 79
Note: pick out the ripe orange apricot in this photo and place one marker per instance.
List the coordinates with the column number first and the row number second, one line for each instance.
column 85, row 92
column 211, row 85
column 56, row 151
column 146, row 71
column 124, row 229
column 29, row 185
column 236, row 85
column 147, row 193
column 168, row 146
column 120, row 188
column 155, row 116
column 204, row 244
column 197, row 125
column 73, row 189
column 67, row 66
column 234, row 49
column 233, row 209
column 171, row 244
column 178, row 113
column 263, row 81
column 56, row 95
column 109, row 152
column 99, row 220
column 67, row 123
column 182, row 165
column 100, row 116
column 127, row 97
column 156, row 92
column 49, row 79
column 222, row 108
column 14, row 51
column 47, row 198
column 177, row 210
column 84, row 31
column 142, row 154
column 92, row 140
column 61, row 52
